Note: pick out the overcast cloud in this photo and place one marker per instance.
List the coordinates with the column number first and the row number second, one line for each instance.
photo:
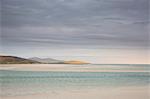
column 89, row 24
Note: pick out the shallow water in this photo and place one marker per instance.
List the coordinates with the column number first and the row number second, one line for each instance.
column 14, row 83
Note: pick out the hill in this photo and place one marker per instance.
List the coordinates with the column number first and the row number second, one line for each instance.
column 46, row 60
column 35, row 60
column 15, row 60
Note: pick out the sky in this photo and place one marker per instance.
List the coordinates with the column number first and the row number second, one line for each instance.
column 97, row 31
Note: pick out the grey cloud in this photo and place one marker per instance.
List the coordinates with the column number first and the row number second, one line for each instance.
column 49, row 12
column 75, row 22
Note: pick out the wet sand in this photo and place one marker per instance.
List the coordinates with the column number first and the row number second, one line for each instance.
column 101, row 93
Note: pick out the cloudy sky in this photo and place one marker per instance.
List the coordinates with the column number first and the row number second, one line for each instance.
column 99, row 31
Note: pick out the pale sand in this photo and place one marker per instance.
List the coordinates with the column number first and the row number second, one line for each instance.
column 101, row 93
column 71, row 68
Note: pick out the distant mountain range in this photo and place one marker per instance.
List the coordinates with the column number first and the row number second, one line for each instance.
column 46, row 60
column 35, row 60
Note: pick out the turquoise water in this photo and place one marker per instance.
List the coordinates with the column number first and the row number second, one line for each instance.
column 29, row 82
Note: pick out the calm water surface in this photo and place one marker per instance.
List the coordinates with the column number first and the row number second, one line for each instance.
column 29, row 82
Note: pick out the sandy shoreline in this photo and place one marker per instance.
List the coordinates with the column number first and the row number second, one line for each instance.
column 70, row 68
column 101, row 93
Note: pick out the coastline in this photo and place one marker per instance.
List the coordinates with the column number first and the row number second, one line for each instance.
column 71, row 68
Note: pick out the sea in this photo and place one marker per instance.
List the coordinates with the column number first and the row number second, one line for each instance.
column 14, row 83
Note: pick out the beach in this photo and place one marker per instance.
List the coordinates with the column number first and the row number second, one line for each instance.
column 74, row 68
column 102, row 93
